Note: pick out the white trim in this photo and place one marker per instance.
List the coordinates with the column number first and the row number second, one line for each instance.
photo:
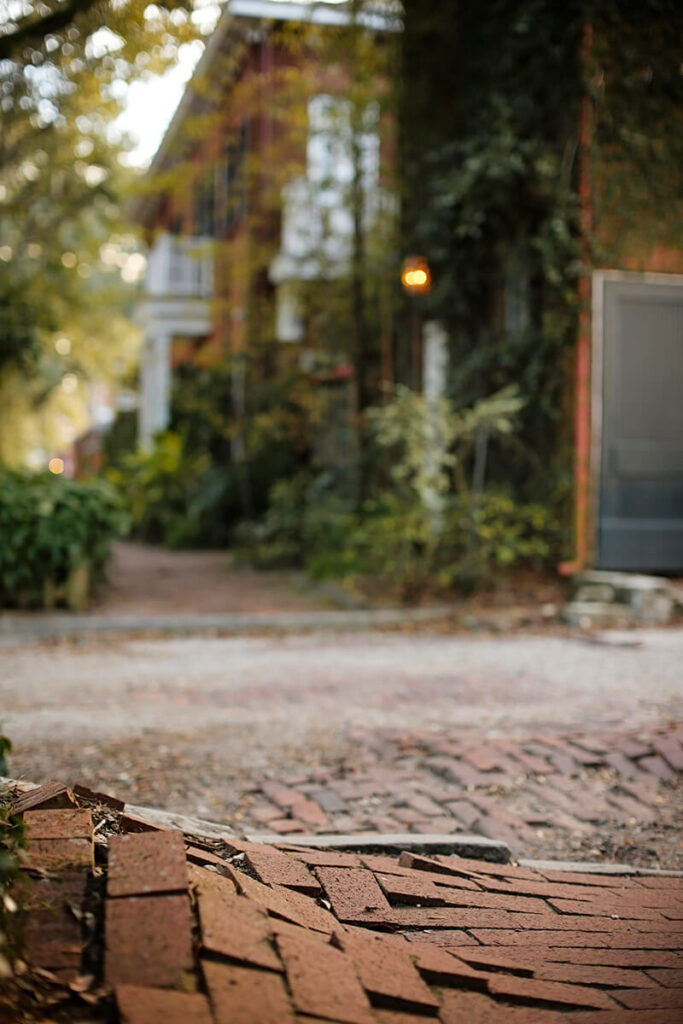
column 600, row 279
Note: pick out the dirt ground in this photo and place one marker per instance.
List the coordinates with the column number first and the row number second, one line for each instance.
column 144, row 580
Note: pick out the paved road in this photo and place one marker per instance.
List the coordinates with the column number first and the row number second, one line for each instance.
column 195, row 723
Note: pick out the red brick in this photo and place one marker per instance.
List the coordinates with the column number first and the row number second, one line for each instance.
column 354, row 894
column 53, row 854
column 233, row 926
column 671, row 750
column 441, row 967
column 484, row 958
column 152, row 862
column 52, row 795
column 309, row 812
column 457, row 917
column 548, row 992
column 410, row 890
column 584, row 878
column 286, row 826
column 139, row 1005
column 264, row 812
column 625, row 1017
column 606, row 905
column 275, row 868
column 493, row 901
column 469, row 866
column 645, row 958
column 197, row 855
column 325, row 858
column 443, row 938
column 384, row 965
column 86, row 793
column 484, row 759
column 53, row 938
column 148, row 941
column 384, row 1017
column 323, row 982
column 476, row 1008
column 129, row 823
column 241, row 995
column 464, row 811
column 209, row 878
column 668, row 978
column 581, row 974
column 582, row 940
column 69, row 824
column 650, row 998
column 657, row 766
column 284, row 903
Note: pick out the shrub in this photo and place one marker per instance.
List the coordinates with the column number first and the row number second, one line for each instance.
column 174, row 497
column 55, row 536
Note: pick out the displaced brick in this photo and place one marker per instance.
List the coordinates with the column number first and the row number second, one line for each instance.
column 197, row 855
column 148, row 941
column 66, row 824
column 86, row 793
column 54, row 854
column 479, row 956
column 668, row 978
column 354, row 894
column 325, row 858
column 241, row 995
column 671, row 750
column 285, row 903
column 286, row 826
column 443, row 938
column 385, row 967
column 608, row 905
column 548, row 992
column 233, row 926
column 323, row 982
column 147, row 863
column 52, row 795
column 416, row 891
column 650, row 999
column 275, row 868
column 645, row 958
column 580, row 974
column 139, row 1005
column 130, row 823
column 625, row 1017
column 475, row 1008
column 53, row 938
column 493, row 901
column 441, row 967
column 456, row 917
column 583, row 940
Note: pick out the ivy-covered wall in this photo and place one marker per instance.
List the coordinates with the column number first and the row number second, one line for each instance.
column 491, row 150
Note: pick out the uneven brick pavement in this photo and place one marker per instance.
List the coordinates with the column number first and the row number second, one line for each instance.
column 543, row 796
column 159, row 926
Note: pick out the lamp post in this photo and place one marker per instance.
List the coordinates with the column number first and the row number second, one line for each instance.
column 416, row 279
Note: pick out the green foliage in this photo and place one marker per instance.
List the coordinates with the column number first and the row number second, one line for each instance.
column 428, row 532
column 491, row 183
column 162, row 491
column 5, row 748
column 51, row 528
column 12, row 844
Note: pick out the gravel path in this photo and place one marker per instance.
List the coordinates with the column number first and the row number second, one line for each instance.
column 195, row 723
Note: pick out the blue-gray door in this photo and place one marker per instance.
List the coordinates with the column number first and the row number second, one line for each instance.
column 640, row 501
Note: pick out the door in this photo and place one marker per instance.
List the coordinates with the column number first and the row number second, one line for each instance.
column 640, row 494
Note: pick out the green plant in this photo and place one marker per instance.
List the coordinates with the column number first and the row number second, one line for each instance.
column 11, row 855
column 162, row 489
column 55, row 536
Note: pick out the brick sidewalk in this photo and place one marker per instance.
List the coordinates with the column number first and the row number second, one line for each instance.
column 155, row 926
column 543, row 796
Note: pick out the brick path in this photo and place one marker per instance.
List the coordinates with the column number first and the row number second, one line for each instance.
column 550, row 794
column 240, row 933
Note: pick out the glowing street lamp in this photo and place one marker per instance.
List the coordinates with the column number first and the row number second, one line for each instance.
column 416, row 277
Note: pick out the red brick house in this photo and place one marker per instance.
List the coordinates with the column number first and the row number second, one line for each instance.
column 247, row 199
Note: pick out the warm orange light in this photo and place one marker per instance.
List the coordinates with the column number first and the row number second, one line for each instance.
column 415, row 276
column 56, row 465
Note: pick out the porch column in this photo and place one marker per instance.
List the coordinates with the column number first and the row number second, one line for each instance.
column 155, row 386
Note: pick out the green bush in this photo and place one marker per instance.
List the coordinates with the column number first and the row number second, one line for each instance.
column 167, row 492
column 55, row 536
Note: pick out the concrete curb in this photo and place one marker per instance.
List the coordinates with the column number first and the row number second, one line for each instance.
column 476, row 847
column 25, row 627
